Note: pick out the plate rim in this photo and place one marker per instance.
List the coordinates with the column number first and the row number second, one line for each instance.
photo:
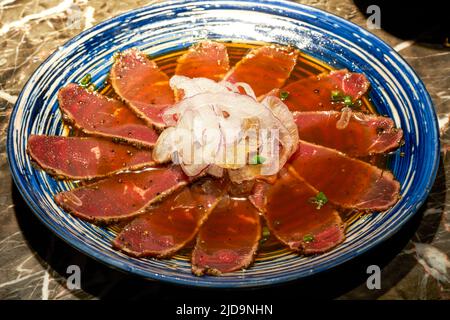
column 203, row 282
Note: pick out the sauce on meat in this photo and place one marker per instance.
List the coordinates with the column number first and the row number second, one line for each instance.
column 306, row 66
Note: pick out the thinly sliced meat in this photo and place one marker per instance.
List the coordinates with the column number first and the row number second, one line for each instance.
column 300, row 224
column 264, row 68
column 206, row 59
column 362, row 135
column 258, row 195
column 315, row 93
column 228, row 240
column 85, row 158
column 347, row 182
column 142, row 85
column 98, row 115
column 121, row 196
column 168, row 227
column 353, row 84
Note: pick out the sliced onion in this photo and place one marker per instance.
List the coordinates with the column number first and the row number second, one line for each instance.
column 166, row 145
column 346, row 115
column 215, row 171
column 193, row 170
column 194, row 86
column 284, row 115
column 213, row 122
column 247, row 89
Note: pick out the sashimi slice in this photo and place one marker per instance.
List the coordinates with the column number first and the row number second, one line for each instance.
column 98, row 115
column 315, row 93
column 168, row 227
column 301, row 224
column 264, row 68
column 347, row 182
column 122, row 196
column 228, row 240
column 85, row 158
column 206, row 59
column 142, row 85
column 362, row 135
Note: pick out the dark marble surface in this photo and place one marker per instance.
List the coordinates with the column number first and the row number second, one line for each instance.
column 33, row 262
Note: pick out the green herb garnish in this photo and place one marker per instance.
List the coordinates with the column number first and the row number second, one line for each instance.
column 284, row 95
column 336, row 95
column 348, row 101
column 258, row 159
column 86, row 80
column 265, row 235
column 265, row 232
column 319, row 200
column 308, row 238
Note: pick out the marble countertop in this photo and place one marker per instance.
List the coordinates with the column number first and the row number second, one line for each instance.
column 33, row 262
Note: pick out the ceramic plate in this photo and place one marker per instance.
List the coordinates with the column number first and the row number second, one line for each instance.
column 163, row 28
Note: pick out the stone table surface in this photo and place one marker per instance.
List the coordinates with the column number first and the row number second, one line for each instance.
column 33, row 262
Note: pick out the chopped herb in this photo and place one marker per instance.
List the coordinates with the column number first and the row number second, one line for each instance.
column 258, row 159
column 265, row 232
column 284, row 95
column 319, row 200
column 348, row 101
column 265, row 235
column 308, row 238
column 86, row 80
column 336, row 95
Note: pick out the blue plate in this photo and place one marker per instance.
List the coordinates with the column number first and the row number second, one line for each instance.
column 166, row 27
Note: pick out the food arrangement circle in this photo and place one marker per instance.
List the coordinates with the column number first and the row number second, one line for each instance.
column 160, row 29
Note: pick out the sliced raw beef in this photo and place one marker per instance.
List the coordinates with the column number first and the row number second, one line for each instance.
column 205, row 59
column 85, row 158
column 142, row 85
column 169, row 226
column 324, row 92
column 228, row 240
column 304, row 225
column 98, row 115
column 347, row 182
column 360, row 136
column 264, row 68
column 121, row 196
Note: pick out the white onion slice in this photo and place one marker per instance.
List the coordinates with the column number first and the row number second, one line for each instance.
column 247, row 89
column 215, row 171
column 346, row 114
column 215, row 127
column 166, row 145
column 194, row 86
column 284, row 115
